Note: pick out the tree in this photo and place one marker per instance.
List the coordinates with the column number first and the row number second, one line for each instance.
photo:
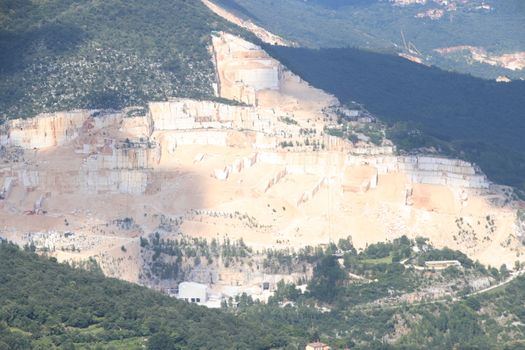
column 504, row 272
column 161, row 341
column 327, row 280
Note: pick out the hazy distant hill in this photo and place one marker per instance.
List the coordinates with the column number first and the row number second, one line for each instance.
column 65, row 54
column 496, row 26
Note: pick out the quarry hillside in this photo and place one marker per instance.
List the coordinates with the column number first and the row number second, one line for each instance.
column 286, row 167
column 184, row 147
column 426, row 109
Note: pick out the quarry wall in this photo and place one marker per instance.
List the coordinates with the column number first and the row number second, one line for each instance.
column 120, row 169
column 427, row 169
column 138, row 127
column 45, row 130
column 124, row 156
column 185, row 114
column 243, row 69
column 169, row 140
column 114, row 181
column 315, row 163
column 57, row 129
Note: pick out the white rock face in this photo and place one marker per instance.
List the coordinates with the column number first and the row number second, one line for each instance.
column 442, row 171
column 125, row 158
column 373, row 151
column 4, row 136
column 45, row 130
column 221, row 174
column 138, row 127
column 8, row 185
column 29, row 179
column 261, row 78
column 244, row 69
column 186, row 114
column 114, row 181
column 121, row 169
column 171, row 139
column 427, row 169
column 436, row 164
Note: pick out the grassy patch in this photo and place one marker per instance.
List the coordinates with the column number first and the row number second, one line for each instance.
column 385, row 260
column 19, row 331
column 121, row 344
column 496, row 290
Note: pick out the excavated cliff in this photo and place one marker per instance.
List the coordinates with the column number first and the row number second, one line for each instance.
column 94, row 183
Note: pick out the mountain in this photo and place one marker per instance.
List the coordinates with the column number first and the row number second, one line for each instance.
column 479, row 37
column 461, row 115
column 179, row 153
column 426, row 108
column 66, row 54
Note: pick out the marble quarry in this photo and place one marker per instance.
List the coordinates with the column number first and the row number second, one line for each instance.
column 247, row 169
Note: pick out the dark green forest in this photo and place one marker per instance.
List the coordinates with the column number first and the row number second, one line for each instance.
column 476, row 119
column 46, row 305
column 67, row 54
column 377, row 25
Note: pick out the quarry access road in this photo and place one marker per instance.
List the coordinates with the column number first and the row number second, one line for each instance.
column 511, row 278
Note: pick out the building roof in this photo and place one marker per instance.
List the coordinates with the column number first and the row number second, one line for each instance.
column 444, row 262
column 192, row 285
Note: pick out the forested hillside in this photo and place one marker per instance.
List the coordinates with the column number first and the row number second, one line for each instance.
column 377, row 25
column 46, row 305
column 464, row 116
column 66, row 54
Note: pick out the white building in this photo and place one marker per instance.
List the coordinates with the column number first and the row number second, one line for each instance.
column 193, row 292
column 442, row 264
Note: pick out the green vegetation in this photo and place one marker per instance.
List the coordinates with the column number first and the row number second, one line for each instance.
column 459, row 115
column 355, row 318
column 171, row 259
column 376, row 25
column 66, row 54
column 46, row 305
column 288, row 120
column 369, row 131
